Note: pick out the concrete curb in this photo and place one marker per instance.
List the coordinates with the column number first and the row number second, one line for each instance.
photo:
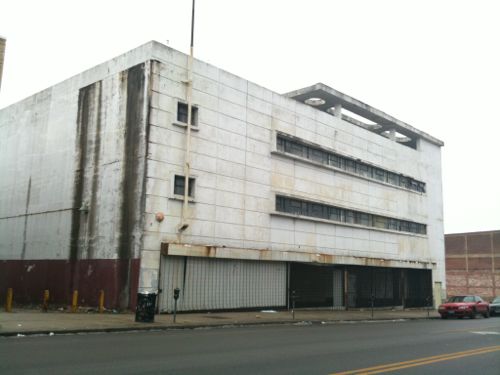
column 171, row 327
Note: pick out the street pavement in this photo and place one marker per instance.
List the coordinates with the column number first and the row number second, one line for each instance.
column 434, row 346
column 36, row 322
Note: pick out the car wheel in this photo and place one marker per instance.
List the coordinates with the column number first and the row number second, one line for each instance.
column 460, row 317
column 444, row 316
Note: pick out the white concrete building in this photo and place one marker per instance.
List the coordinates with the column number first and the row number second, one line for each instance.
column 312, row 191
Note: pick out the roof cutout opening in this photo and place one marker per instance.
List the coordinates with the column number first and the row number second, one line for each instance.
column 394, row 135
column 315, row 101
column 357, row 117
column 358, row 120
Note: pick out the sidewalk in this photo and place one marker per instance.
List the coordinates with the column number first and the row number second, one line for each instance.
column 28, row 322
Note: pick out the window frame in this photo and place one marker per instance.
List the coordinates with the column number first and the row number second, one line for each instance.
column 194, row 115
column 192, row 187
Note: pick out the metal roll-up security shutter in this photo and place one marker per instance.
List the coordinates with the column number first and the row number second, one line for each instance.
column 215, row 284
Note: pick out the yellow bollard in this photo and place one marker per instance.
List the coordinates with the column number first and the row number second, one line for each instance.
column 45, row 304
column 8, row 300
column 74, row 302
column 101, row 301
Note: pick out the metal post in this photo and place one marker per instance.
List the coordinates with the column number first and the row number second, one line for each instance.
column 293, row 304
column 74, row 301
column 45, row 304
column 177, row 292
column 8, row 301
column 175, row 311
column 346, row 294
column 428, row 306
column 101, row 301
column 373, row 302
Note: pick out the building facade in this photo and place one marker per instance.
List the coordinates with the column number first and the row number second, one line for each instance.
column 312, row 191
column 473, row 263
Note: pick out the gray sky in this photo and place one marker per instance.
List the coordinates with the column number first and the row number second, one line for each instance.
column 433, row 64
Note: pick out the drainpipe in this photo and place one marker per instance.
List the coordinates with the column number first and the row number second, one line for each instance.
column 3, row 41
column 187, row 167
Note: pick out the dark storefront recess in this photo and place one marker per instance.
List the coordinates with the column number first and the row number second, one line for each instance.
column 312, row 284
column 355, row 286
column 418, row 288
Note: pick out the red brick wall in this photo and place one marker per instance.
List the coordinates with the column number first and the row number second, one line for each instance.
column 473, row 264
column 29, row 278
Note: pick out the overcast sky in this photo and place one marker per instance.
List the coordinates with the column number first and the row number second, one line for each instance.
column 433, row 64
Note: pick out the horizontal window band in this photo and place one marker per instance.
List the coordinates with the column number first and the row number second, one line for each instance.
column 295, row 206
column 293, row 146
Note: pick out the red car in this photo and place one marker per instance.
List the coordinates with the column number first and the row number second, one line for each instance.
column 461, row 306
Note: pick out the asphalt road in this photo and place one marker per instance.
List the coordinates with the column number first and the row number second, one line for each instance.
column 406, row 347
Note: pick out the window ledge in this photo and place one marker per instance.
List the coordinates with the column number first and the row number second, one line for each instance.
column 184, row 125
column 344, row 224
column 177, row 197
column 331, row 168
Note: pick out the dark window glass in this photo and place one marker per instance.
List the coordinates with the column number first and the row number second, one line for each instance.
column 280, row 144
column 335, row 160
column 280, row 206
column 350, row 165
column 413, row 227
column 295, row 207
column 363, row 219
column 393, row 224
column 319, row 156
column 405, row 182
column 421, row 187
column 179, row 182
column 379, row 174
column 380, row 222
column 392, row 178
column 364, row 170
column 422, row 229
column 349, row 217
column 335, row 214
column 182, row 114
column 296, row 149
column 404, row 226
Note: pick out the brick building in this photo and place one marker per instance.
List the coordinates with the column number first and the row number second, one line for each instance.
column 473, row 263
